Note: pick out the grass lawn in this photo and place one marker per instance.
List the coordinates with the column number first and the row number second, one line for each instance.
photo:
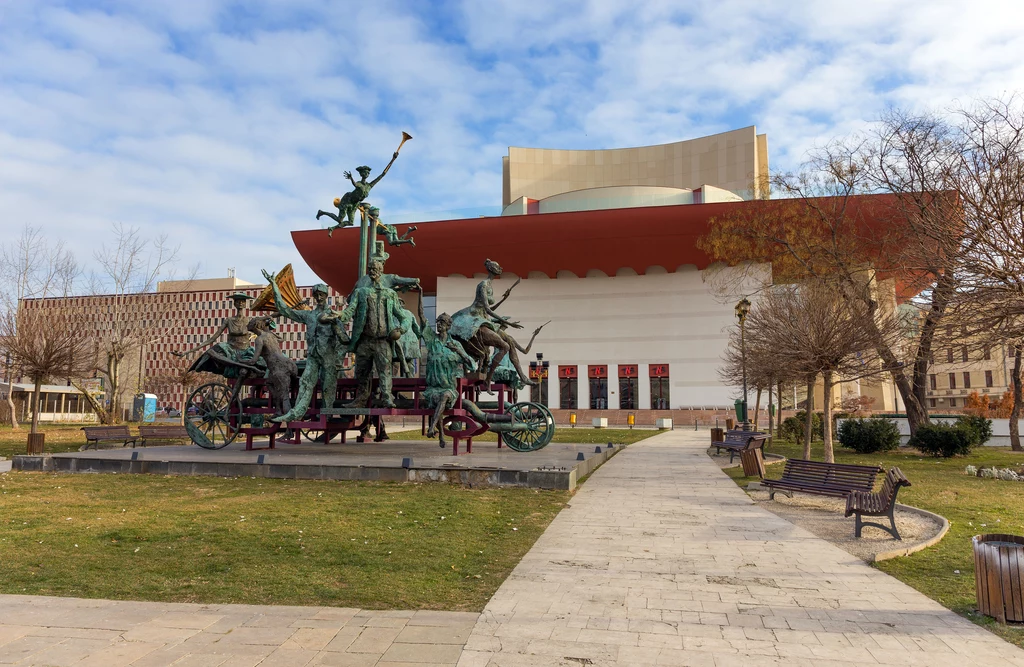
column 59, row 438
column 191, row 539
column 972, row 505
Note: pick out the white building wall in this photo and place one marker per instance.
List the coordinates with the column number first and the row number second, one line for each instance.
column 647, row 319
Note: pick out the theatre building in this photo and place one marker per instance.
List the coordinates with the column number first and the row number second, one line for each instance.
column 605, row 244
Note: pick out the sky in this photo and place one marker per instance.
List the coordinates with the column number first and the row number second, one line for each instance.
column 227, row 125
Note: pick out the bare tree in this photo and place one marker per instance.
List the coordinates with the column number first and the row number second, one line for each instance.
column 812, row 330
column 31, row 267
column 825, row 229
column 989, row 180
column 129, row 268
column 45, row 341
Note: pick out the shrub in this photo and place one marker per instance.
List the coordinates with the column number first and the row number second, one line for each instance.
column 793, row 427
column 943, row 440
column 981, row 427
column 866, row 436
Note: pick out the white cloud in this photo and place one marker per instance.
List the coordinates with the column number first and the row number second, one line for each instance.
column 227, row 126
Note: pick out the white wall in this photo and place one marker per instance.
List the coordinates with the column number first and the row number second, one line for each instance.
column 659, row 317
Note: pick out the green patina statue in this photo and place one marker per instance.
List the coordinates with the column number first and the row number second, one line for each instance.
column 324, row 345
column 447, row 361
column 351, row 201
column 231, row 357
column 377, row 317
column 480, row 329
column 390, row 232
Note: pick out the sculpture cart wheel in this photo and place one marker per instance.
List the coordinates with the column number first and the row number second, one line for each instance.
column 218, row 413
column 315, row 435
column 532, row 427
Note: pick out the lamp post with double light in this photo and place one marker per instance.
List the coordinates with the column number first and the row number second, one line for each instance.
column 742, row 309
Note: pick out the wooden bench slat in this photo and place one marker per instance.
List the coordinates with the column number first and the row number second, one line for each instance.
column 880, row 503
column 94, row 435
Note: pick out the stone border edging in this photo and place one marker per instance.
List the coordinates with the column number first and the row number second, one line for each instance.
column 935, row 539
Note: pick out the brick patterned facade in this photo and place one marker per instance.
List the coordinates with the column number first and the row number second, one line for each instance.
column 184, row 320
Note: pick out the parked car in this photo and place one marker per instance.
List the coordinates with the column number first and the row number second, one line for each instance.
column 173, row 412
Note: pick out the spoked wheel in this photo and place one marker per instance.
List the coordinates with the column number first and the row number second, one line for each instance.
column 217, row 416
column 533, row 427
column 315, row 435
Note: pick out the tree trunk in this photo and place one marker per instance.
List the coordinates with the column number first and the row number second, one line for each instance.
column 770, row 433
column 826, row 417
column 1017, row 391
column 101, row 413
column 10, row 396
column 809, row 417
column 35, row 405
column 778, row 417
column 757, row 407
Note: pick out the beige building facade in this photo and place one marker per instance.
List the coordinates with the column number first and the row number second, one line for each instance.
column 736, row 161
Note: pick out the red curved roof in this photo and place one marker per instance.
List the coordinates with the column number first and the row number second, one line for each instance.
column 577, row 241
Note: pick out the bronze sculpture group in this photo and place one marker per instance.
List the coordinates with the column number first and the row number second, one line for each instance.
column 377, row 329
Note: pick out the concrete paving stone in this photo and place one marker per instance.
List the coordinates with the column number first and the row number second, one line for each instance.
column 119, row 654
column 268, row 636
column 347, row 659
column 436, row 653
column 24, row 647
column 374, row 640
column 67, row 652
column 286, row 657
column 435, row 634
column 184, row 619
column 201, row 660
column 343, row 639
column 158, row 634
column 311, row 639
column 161, row 657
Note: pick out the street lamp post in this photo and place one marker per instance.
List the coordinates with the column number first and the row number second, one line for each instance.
column 742, row 308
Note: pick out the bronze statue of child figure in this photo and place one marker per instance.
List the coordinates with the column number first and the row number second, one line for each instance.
column 390, row 232
column 281, row 370
column 350, row 202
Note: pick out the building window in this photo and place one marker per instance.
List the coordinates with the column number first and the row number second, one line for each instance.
column 659, row 386
column 952, row 402
column 628, row 387
column 568, row 387
column 932, row 382
column 988, row 379
column 967, row 380
column 952, row 380
column 598, row 376
column 931, row 402
column 539, row 392
column 949, row 355
column 964, row 354
column 988, row 353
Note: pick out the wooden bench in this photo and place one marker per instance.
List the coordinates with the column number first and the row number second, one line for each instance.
column 164, row 432
column 823, row 479
column 882, row 503
column 94, row 435
column 737, row 441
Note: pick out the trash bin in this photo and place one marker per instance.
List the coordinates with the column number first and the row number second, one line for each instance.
column 730, row 424
column 718, row 435
column 998, row 568
column 753, row 462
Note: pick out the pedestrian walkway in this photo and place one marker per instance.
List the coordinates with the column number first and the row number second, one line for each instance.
column 662, row 560
column 42, row 631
